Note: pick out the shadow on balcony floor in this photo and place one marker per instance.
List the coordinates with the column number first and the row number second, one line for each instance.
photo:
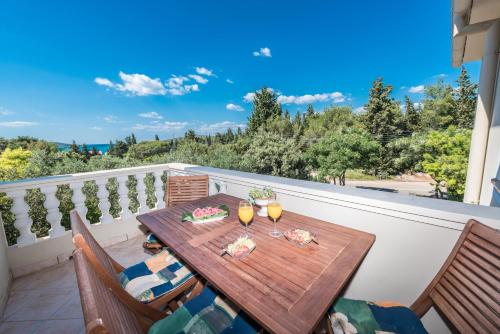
column 48, row 301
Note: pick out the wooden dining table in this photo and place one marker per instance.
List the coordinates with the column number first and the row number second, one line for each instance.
column 285, row 288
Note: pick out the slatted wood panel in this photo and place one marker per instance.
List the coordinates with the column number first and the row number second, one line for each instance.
column 467, row 288
column 79, row 227
column 182, row 189
column 102, row 311
column 285, row 288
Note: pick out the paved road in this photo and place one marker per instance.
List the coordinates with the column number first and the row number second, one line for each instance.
column 419, row 188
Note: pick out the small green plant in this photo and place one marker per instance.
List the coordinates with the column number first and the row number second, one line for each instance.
column 265, row 193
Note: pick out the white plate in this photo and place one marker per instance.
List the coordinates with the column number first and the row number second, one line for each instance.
column 209, row 220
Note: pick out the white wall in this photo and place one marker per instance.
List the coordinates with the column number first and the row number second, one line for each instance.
column 5, row 275
column 413, row 235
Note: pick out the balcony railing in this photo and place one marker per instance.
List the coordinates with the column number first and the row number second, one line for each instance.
column 414, row 234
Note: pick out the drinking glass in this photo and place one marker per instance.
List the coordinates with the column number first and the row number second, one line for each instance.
column 274, row 211
column 245, row 213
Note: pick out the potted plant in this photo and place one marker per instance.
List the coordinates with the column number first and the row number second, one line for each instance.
column 261, row 198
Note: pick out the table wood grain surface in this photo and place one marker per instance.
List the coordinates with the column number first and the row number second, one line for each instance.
column 286, row 289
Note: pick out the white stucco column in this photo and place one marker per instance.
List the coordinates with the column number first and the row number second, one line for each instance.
column 476, row 177
column 489, row 195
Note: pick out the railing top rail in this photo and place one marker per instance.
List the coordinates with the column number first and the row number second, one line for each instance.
column 87, row 176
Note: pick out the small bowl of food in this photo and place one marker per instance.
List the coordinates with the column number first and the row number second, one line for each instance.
column 240, row 248
column 300, row 237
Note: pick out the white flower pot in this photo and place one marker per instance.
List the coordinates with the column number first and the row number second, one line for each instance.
column 263, row 207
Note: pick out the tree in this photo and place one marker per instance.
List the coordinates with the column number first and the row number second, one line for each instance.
column 348, row 148
column 74, row 148
column 190, row 135
column 93, row 151
column 13, row 163
column 382, row 114
column 147, row 149
column 445, row 159
column 85, row 151
column 309, row 114
column 265, row 106
column 270, row 153
column 331, row 119
column 157, row 138
column 412, row 116
column 439, row 110
column 465, row 101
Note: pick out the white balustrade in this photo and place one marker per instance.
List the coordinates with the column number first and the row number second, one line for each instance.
column 159, row 192
column 104, row 204
column 78, row 199
column 23, row 222
column 141, row 194
column 54, row 216
column 123, row 197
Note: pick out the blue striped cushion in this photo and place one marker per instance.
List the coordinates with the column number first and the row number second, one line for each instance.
column 206, row 313
column 154, row 277
column 362, row 317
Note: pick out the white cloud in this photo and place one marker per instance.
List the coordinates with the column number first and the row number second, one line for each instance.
column 248, row 98
column 134, row 84
column 359, row 110
column 234, row 107
column 204, row 71
column 17, row 124
column 229, row 81
column 5, row 112
column 335, row 97
column 152, row 114
column 161, row 126
column 263, row 52
column 110, row 119
column 95, row 128
column 220, row 127
column 416, row 89
column 198, row 78
column 176, row 86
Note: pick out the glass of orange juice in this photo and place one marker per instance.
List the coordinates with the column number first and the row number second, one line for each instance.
column 274, row 211
column 245, row 213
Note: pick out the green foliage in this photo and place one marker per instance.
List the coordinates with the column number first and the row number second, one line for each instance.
column 445, row 159
column 412, row 116
column 147, row 149
column 438, row 112
column 331, row 119
column 405, row 154
column 271, row 153
column 344, row 149
column 265, row 193
column 13, row 163
column 383, row 114
column 465, row 101
column 265, row 106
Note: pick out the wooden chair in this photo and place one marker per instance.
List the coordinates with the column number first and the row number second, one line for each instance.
column 466, row 289
column 108, row 269
column 182, row 189
column 103, row 312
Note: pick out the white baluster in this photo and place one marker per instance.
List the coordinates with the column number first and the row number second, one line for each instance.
column 141, row 194
column 54, row 216
column 104, row 205
column 23, row 221
column 159, row 192
column 123, row 200
column 78, row 200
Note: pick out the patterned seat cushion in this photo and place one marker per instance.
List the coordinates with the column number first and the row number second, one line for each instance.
column 207, row 313
column 154, row 277
column 357, row 316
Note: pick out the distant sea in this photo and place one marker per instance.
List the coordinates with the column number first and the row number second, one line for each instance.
column 99, row 147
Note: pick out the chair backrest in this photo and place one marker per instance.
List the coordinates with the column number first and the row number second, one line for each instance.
column 182, row 189
column 102, row 310
column 466, row 289
column 79, row 227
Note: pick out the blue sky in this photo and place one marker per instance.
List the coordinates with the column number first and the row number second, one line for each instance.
column 97, row 70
